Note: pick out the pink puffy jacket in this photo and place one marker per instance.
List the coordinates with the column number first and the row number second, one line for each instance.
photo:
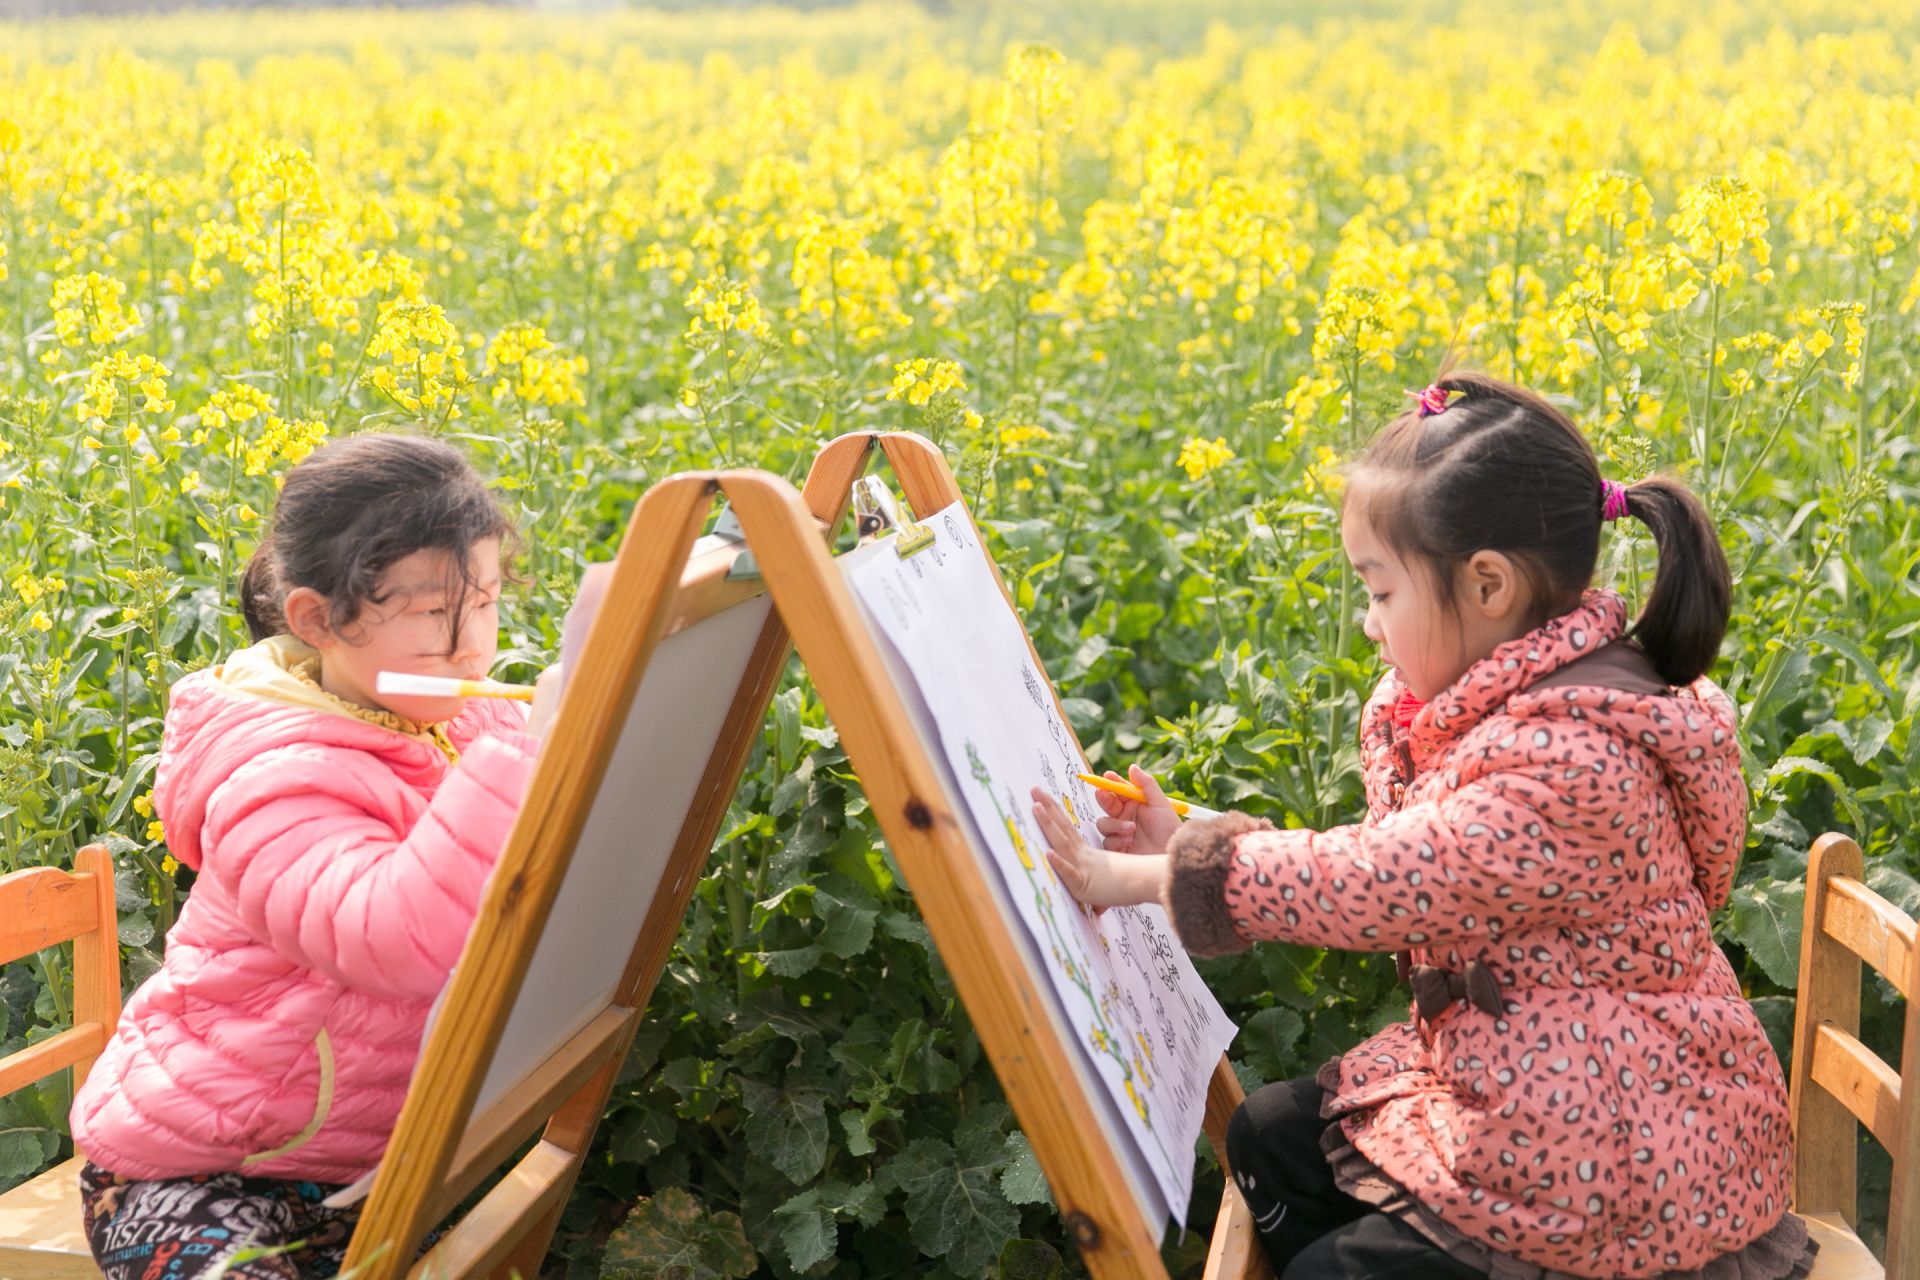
column 341, row 855
column 1622, row 1112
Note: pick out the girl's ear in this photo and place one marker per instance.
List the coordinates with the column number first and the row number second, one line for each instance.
column 1494, row 587
column 306, row 613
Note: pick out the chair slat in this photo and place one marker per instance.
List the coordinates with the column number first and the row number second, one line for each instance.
column 55, row 1053
column 1856, row 1076
column 1873, row 929
column 1825, row 1132
column 1235, row 1252
column 43, row 906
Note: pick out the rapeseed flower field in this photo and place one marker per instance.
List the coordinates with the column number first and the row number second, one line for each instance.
column 1148, row 276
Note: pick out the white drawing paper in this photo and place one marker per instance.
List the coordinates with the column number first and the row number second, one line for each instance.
column 1140, row 1016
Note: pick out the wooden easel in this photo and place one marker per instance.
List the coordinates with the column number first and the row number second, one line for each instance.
column 441, row 1148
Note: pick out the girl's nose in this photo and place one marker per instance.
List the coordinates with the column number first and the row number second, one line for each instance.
column 467, row 651
column 1371, row 628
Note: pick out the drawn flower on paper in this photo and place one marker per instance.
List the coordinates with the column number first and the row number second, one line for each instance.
column 1019, row 845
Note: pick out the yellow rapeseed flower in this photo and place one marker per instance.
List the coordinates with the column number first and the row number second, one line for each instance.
column 920, row 380
column 1200, row 457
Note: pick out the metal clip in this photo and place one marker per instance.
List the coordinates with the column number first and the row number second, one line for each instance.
column 912, row 538
column 875, row 513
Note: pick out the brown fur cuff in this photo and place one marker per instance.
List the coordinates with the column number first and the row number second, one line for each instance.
column 1200, row 859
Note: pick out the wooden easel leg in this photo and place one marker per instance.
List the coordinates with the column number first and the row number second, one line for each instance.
column 571, row 1127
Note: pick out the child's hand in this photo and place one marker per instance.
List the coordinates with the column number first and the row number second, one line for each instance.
column 1132, row 827
column 1093, row 876
column 546, row 700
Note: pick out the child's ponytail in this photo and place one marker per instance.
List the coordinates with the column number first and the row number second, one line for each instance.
column 260, row 594
column 1685, row 615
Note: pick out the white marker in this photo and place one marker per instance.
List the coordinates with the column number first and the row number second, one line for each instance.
column 402, row 682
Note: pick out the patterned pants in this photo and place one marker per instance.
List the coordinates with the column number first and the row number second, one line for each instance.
column 182, row 1228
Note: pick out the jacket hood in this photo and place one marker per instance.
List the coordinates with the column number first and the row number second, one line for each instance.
column 1689, row 731
column 268, row 697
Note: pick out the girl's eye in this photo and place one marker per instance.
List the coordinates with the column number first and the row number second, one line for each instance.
column 1379, row 597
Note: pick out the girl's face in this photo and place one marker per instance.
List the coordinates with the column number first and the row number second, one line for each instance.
column 1428, row 643
column 407, row 631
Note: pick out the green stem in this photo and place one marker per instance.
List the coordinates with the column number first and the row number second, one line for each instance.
column 1713, row 365
column 1866, row 354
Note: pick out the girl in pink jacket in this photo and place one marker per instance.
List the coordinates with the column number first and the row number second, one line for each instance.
column 1554, row 807
column 341, row 840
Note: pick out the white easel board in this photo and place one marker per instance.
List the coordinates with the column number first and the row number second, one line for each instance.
column 1117, row 986
column 651, row 778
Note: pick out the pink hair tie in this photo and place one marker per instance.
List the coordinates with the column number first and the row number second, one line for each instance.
column 1432, row 400
column 1613, row 500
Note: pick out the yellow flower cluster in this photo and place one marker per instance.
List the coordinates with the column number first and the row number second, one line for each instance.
column 1719, row 218
column 111, row 382
column 281, row 443
column 418, row 359
column 234, row 405
column 1200, row 458
column 32, row 590
column 720, row 306
column 528, row 370
column 90, row 310
column 919, row 380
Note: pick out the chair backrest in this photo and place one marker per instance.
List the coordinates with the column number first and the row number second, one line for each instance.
column 42, row 907
column 1837, row 1080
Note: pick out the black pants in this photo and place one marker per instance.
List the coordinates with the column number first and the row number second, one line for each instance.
column 1312, row 1229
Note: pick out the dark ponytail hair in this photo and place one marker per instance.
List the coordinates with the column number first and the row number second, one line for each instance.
column 1685, row 615
column 1502, row 469
column 349, row 510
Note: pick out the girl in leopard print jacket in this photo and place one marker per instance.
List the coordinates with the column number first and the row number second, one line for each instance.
column 1554, row 806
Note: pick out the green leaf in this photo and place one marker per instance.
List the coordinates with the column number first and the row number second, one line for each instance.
column 1083, row 713
column 787, row 1127
column 1776, row 1019
column 807, row 1232
column 791, row 963
column 1784, row 674
column 135, row 930
column 1025, row 1259
column 857, row 1125
column 849, row 925
column 1849, row 649
column 917, row 1063
column 786, row 727
column 1791, row 766
column 865, row 1203
column 1022, row 1182
column 1268, row 1039
column 954, row 1207
column 671, row 1236
column 1766, row 921
column 1896, row 886
column 642, row 1134
column 1085, row 658
column 21, row 1153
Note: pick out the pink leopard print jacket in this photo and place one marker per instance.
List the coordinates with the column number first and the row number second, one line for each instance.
column 1625, row 1115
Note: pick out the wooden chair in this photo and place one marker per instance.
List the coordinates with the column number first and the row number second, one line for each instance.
column 1837, row 1081
column 40, row 1235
